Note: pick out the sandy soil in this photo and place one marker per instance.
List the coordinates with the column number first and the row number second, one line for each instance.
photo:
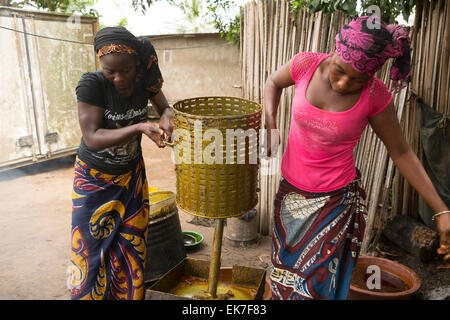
column 35, row 225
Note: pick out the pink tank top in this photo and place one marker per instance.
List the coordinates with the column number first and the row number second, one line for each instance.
column 319, row 152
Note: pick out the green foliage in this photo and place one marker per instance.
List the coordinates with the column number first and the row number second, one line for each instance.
column 389, row 9
column 326, row 6
column 143, row 5
column 191, row 8
column 217, row 14
column 195, row 16
column 218, row 10
column 83, row 7
column 123, row 22
column 233, row 33
column 226, row 25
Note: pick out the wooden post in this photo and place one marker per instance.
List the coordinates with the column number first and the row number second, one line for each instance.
column 413, row 237
column 214, row 267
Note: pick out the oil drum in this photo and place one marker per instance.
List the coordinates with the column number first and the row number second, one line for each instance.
column 165, row 246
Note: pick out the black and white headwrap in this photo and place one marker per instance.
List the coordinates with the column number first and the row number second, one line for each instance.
column 119, row 40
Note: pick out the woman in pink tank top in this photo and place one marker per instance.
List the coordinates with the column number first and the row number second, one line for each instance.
column 320, row 215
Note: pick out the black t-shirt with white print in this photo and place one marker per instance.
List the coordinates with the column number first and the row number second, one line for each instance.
column 94, row 89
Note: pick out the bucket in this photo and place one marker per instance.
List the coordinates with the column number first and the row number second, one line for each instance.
column 216, row 153
column 165, row 245
column 243, row 231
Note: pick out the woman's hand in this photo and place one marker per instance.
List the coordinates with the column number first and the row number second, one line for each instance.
column 159, row 101
column 386, row 126
column 153, row 131
column 443, row 226
column 166, row 123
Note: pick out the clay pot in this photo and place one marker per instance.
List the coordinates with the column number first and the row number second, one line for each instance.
column 393, row 274
column 398, row 282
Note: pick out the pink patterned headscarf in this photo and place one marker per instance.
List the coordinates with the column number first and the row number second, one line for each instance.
column 367, row 45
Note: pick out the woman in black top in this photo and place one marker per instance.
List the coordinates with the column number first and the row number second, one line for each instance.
column 110, row 194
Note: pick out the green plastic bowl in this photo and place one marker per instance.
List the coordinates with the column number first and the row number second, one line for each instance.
column 192, row 239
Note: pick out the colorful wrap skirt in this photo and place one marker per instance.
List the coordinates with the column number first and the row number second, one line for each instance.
column 110, row 217
column 315, row 242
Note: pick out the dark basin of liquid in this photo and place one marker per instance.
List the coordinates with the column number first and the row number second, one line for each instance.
column 389, row 283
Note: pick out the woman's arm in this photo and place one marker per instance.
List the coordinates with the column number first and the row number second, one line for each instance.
column 96, row 138
column 161, row 105
column 387, row 128
column 275, row 84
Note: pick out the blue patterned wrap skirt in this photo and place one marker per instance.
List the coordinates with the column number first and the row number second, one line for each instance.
column 110, row 217
column 315, row 241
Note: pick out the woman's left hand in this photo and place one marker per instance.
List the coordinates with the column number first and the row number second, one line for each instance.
column 443, row 226
column 166, row 123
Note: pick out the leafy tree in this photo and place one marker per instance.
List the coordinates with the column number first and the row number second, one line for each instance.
column 389, row 9
column 217, row 11
column 216, row 14
column 143, row 5
column 195, row 17
column 228, row 26
column 326, row 6
column 67, row 6
column 123, row 22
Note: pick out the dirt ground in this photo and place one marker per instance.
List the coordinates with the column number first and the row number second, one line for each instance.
column 435, row 280
column 35, row 228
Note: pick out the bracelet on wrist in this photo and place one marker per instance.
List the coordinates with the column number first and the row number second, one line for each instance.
column 439, row 213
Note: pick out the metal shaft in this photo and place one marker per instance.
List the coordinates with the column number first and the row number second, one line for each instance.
column 214, row 266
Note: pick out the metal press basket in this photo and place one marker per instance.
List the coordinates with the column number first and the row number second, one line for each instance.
column 226, row 188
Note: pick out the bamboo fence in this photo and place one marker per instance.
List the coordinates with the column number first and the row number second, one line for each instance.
column 430, row 81
column 271, row 35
